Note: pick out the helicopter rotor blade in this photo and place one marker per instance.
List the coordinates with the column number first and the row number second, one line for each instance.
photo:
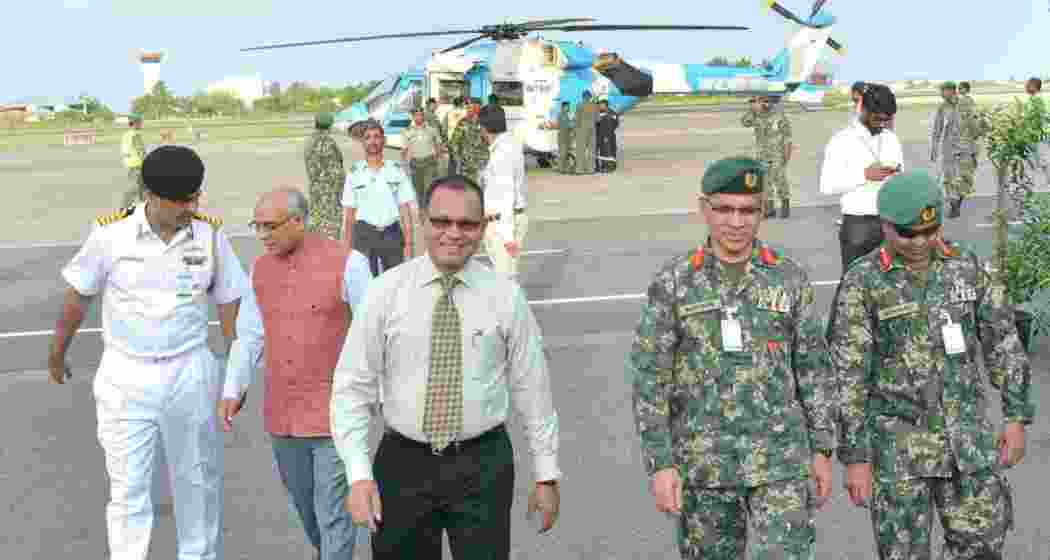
column 363, row 38
column 462, row 44
column 647, row 28
column 816, row 8
column 540, row 23
column 836, row 45
column 786, row 13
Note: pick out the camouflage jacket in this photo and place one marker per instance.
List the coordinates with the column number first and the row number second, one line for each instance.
column 907, row 405
column 946, row 135
column 772, row 133
column 469, row 145
column 434, row 122
column 728, row 419
column 972, row 127
column 324, row 159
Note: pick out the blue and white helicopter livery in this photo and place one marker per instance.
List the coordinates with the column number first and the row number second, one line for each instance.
column 532, row 76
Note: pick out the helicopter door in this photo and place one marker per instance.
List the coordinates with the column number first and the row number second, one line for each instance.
column 479, row 83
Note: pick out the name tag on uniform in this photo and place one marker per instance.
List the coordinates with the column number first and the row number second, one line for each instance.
column 732, row 336
column 898, row 311
column 194, row 256
column 701, row 307
column 774, row 299
column 961, row 293
column 954, row 342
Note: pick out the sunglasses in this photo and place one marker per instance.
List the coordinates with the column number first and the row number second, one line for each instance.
column 909, row 233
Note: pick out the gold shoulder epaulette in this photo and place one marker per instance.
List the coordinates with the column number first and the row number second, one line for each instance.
column 114, row 217
column 215, row 222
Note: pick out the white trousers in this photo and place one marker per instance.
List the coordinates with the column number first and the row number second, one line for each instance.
column 501, row 260
column 140, row 402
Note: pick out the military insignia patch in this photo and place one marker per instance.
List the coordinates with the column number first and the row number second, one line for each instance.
column 215, row 222
column 750, row 180
column 928, row 214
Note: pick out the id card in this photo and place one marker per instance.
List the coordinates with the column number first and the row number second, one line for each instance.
column 954, row 342
column 732, row 340
column 184, row 284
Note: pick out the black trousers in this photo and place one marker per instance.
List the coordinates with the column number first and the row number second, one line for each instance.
column 386, row 245
column 467, row 491
column 858, row 236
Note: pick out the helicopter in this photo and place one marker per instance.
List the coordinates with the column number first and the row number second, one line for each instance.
column 531, row 76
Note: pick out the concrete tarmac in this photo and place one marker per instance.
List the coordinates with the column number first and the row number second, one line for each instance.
column 593, row 253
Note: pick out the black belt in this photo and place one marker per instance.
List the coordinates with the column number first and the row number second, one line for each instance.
column 454, row 447
column 496, row 216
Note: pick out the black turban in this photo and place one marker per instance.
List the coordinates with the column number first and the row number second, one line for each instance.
column 879, row 98
column 173, row 172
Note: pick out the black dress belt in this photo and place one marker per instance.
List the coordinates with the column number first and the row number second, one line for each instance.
column 454, row 447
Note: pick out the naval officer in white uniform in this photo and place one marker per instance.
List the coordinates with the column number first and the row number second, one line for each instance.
column 158, row 265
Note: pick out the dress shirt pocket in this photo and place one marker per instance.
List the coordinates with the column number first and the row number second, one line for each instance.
column 487, row 342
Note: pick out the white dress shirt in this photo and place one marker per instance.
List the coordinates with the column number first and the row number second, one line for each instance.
column 155, row 294
column 503, row 178
column 848, row 154
column 247, row 351
column 378, row 195
column 389, row 346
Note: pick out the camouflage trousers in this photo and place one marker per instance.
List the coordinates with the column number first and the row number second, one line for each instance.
column 976, row 512
column 424, row 171
column 137, row 191
column 777, row 185
column 473, row 173
column 326, row 209
column 714, row 522
column 565, row 153
column 584, row 152
column 960, row 184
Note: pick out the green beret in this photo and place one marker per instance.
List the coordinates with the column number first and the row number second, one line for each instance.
column 735, row 175
column 134, row 117
column 911, row 199
column 948, row 85
column 324, row 120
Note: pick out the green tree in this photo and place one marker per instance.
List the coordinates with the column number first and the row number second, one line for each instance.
column 743, row 62
column 718, row 61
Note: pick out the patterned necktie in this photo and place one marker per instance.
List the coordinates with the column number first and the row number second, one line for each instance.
column 443, row 415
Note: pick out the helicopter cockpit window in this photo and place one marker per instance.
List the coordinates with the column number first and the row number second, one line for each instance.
column 509, row 94
column 449, row 90
column 409, row 98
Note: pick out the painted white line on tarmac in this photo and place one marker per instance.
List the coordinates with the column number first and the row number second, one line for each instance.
column 1015, row 223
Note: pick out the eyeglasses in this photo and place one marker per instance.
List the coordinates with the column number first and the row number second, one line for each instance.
column 909, row 233
column 727, row 211
column 466, row 226
column 266, row 228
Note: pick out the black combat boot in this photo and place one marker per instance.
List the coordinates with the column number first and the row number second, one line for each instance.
column 771, row 209
column 785, row 208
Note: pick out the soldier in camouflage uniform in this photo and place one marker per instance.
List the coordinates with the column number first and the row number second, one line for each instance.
column 971, row 129
column 434, row 122
column 134, row 151
column 733, row 385
column 914, row 434
column 470, row 148
column 773, row 147
column 324, row 169
column 947, row 147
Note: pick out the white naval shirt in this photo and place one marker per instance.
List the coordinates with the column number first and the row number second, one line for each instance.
column 388, row 347
column 505, row 183
column 378, row 195
column 849, row 152
column 155, row 295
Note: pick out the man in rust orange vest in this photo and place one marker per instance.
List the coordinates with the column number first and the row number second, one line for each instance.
column 304, row 288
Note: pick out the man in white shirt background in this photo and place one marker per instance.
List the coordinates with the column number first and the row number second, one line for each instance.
column 504, row 182
column 857, row 161
column 453, row 345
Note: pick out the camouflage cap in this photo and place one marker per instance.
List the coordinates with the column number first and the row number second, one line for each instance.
column 911, row 199
column 948, row 85
column 324, row 120
column 735, row 175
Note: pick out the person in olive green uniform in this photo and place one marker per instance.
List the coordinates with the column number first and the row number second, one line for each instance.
column 914, row 435
column 422, row 147
column 733, row 386
column 327, row 177
column 565, row 124
column 585, row 132
column 133, row 150
column 470, row 148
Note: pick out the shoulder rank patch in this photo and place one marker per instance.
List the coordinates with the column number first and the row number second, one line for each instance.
column 885, row 259
column 697, row 258
column 115, row 217
column 215, row 222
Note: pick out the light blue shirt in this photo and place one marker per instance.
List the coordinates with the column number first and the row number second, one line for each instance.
column 387, row 352
column 155, row 295
column 247, row 351
column 378, row 195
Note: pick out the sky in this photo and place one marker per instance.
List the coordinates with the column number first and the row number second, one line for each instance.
column 60, row 48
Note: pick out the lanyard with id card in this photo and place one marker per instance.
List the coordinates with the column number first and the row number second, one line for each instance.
column 954, row 341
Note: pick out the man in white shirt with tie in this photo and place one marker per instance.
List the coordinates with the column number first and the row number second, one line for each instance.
column 504, row 182
column 454, row 345
column 857, row 161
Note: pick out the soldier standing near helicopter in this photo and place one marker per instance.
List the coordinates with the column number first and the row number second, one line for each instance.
column 586, row 119
column 471, row 149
